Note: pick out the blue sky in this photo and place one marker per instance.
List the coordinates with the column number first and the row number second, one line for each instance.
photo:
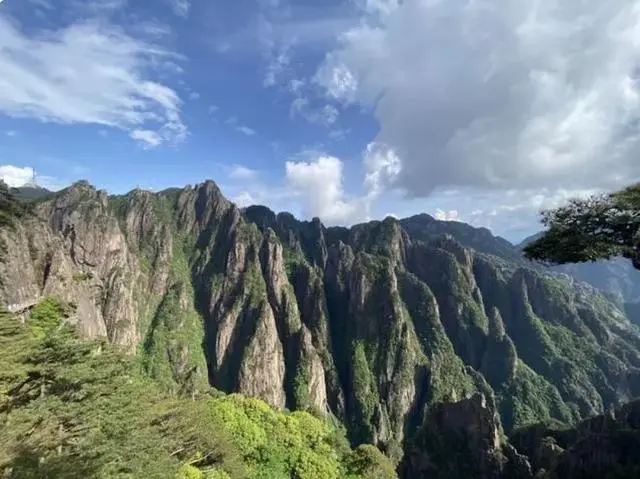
column 349, row 110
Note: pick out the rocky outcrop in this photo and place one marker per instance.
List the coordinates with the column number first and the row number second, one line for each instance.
column 373, row 324
column 600, row 447
column 462, row 440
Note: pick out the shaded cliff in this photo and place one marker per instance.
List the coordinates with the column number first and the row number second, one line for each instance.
column 372, row 324
column 463, row 440
column 605, row 446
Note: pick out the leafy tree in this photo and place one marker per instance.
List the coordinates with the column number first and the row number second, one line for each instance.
column 368, row 462
column 600, row 227
column 75, row 408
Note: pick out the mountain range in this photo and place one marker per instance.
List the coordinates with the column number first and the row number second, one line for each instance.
column 377, row 325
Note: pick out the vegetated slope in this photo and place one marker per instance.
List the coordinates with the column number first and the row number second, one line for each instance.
column 75, row 408
column 601, row 447
column 372, row 324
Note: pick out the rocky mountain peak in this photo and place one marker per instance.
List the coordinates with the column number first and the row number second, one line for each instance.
column 375, row 324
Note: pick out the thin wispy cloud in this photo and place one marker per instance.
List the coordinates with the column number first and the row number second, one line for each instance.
column 245, row 130
column 88, row 73
column 180, row 7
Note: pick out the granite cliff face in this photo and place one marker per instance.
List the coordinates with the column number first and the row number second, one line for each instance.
column 374, row 324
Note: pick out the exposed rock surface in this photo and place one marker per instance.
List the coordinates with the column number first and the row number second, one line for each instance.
column 372, row 324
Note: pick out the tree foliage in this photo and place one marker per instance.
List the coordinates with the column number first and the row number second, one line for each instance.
column 600, row 227
column 74, row 408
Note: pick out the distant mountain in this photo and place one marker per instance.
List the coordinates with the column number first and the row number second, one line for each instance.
column 31, row 193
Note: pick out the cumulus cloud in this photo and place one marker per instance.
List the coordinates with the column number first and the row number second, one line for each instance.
column 244, row 199
column 512, row 213
column 382, row 166
column 490, row 94
column 16, row 176
column 88, row 73
column 320, row 183
column 451, row 215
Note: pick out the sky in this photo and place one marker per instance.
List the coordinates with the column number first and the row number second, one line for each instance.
column 482, row 111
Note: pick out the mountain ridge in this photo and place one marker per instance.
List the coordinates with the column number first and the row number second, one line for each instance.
column 372, row 324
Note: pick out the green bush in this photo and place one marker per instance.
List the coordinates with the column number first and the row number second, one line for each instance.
column 73, row 408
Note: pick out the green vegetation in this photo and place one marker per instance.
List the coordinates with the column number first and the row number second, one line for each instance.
column 74, row 408
column 365, row 391
column 529, row 399
column 301, row 385
column 600, row 227
column 368, row 462
column 80, row 276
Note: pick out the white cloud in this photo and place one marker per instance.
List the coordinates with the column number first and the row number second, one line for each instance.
column 325, row 116
column 277, row 64
column 339, row 135
column 244, row 199
column 276, row 52
column 150, row 139
column 295, row 85
column 16, row 176
column 240, row 172
column 511, row 213
column 382, row 167
column 319, row 182
column 11, row 132
column 381, row 7
column 180, row 7
column 87, row 73
column 451, row 215
column 246, row 130
column 340, row 83
column 494, row 95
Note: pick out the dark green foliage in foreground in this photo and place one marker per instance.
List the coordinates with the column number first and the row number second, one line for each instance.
column 73, row 408
column 10, row 207
column 601, row 227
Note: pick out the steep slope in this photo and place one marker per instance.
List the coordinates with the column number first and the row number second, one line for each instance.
column 605, row 446
column 371, row 324
column 73, row 408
